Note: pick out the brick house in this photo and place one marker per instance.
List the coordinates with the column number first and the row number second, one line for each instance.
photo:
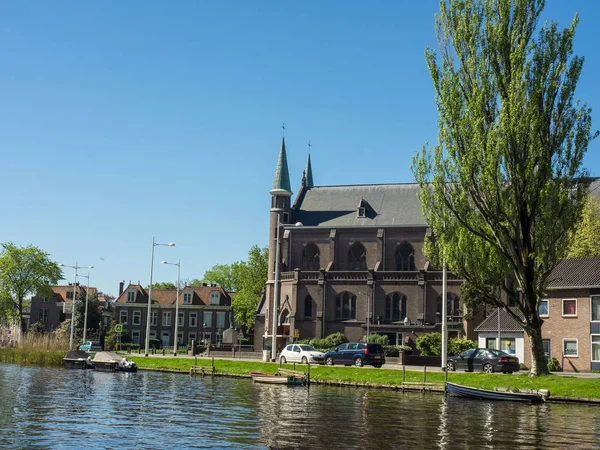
column 204, row 313
column 352, row 261
column 51, row 311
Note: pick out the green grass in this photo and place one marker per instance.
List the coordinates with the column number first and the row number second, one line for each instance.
column 559, row 386
column 26, row 356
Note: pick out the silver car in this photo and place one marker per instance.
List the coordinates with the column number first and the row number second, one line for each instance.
column 302, row 353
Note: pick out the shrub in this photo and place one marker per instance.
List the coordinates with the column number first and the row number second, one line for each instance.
column 430, row 344
column 377, row 338
column 458, row 345
column 394, row 350
column 554, row 365
column 243, row 341
column 335, row 339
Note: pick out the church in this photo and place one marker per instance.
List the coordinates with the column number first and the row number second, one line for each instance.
column 351, row 260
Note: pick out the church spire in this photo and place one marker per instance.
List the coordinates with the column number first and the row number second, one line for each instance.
column 308, row 172
column 281, row 182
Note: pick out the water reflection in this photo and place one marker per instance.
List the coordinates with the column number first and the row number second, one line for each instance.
column 44, row 408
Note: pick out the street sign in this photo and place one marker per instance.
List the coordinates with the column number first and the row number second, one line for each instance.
column 118, row 328
column 297, row 333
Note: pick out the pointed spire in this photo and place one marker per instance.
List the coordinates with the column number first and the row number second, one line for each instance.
column 308, row 174
column 281, row 182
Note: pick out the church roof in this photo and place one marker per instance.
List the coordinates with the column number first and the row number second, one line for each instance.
column 281, row 182
column 333, row 206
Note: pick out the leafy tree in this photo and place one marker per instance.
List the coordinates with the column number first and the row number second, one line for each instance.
column 37, row 328
column 94, row 314
column 585, row 239
column 25, row 271
column 224, row 275
column 164, row 285
column 251, row 277
column 504, row 186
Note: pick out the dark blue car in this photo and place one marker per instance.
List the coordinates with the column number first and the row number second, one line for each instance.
column 357, row 353
column 488, row 360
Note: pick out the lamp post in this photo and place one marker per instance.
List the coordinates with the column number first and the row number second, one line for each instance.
column 76, row 267
column 87, row 292
column 178, row 264
column 154, row 244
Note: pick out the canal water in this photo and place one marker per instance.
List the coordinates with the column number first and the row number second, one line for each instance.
column 56, row 408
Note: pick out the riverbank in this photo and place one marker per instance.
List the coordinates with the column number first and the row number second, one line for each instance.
column 562, row 388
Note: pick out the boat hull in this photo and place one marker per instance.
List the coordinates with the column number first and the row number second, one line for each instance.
column 77, row 364
column 458, row 390
column 290, row 380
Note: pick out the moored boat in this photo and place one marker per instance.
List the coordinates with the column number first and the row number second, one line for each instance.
column 531, row 396
column 289, row 380
column 77, row 359
column 113, row 362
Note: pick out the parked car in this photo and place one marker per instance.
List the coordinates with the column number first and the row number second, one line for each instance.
column 488, row 360
column 302, row 353
column 357, row 353
column 91, row 346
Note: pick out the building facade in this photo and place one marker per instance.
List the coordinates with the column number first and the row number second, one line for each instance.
column 351, row 261
column 204, row 313
column 51, row 311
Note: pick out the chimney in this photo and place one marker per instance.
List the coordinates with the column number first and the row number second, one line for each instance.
column 121, row 284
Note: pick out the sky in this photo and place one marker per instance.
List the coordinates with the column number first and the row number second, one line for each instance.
column 120, row 121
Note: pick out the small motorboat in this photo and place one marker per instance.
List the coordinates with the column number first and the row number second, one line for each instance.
column 279, row 378
column 515, row 395
column 113, row 362
column 77, row 359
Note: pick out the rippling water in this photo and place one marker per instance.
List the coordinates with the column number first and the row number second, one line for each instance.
column 56, row 408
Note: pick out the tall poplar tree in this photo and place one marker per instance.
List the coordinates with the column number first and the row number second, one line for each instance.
column 505, row 185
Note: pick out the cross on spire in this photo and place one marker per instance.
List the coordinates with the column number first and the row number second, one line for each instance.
column 309, row 146
column 283, row 128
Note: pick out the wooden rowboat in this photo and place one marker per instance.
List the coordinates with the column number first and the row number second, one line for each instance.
column 531, row 396
column 289, row 380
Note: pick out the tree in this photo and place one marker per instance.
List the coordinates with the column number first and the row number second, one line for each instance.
column 504, row 186
column 94, row 316
column 164, row 285
column 26, row 271
column 251, row 277
column 224, row 275
column 585, row 239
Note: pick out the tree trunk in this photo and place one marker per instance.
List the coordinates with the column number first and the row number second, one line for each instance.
column 539, row 366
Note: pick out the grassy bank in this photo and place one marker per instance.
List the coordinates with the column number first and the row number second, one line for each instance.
column 559, row 386
column 28, row 356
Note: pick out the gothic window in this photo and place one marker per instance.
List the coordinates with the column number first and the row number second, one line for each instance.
column 452, row 305
column 308, row 302
column 395, row 307
column 345, row 306
column 357, row 257
column 405, row 258
column 310, row 257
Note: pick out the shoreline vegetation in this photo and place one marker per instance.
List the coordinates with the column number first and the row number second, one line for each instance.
column 562, row 388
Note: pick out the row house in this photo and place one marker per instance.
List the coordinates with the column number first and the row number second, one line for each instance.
column 52, row 310
column 204, row 312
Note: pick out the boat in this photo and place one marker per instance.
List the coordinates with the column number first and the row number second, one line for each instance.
column 278, row 378
column 112, row 362
column 515, row 395
column 78, row 359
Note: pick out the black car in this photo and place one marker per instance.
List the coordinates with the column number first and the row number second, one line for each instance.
column 488, row 360
column 357, row 353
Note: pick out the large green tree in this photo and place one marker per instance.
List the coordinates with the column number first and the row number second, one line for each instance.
column 224, row 275
column 94, row 315
column 504, row 186
column 25, row 271
column 585, row 239
column 251, row 278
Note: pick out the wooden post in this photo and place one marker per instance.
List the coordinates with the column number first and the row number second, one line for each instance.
column 424, row 374
column 308, row 376
column 403, row 374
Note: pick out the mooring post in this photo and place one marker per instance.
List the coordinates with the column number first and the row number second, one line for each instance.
column 424, row 374
column 308, row 376
column 403, row 374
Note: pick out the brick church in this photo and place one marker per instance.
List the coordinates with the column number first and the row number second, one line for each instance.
column 351, row 260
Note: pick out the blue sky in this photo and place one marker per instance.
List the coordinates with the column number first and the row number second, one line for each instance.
column 124, row 120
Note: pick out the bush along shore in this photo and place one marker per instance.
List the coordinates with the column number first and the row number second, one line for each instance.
column 561, row 388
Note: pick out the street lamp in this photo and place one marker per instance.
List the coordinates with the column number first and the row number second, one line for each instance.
column 76, row 267
column 87, row 292
column 178, row 264
column 154, row 244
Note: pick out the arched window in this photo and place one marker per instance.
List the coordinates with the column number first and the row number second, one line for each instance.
column 395, row 307
column 308, row 302
column 405, row 257
column 452, row 306
column 456, row 310
column 310, row 257
column 345, row 306
column 284, row 317
column 357, row 257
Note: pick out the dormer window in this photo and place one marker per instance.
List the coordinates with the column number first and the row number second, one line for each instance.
column 130, row 296
column 362, row 212
column 215, row 298
column 362, row 209
column 187, row 298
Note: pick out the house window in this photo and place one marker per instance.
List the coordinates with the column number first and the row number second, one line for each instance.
column 570, row 307
column 547, row 348
column 215, row 298
column 137, row 317
column 570, row 347
column 395, row 307
column 596, row 308
column 180, row 320
column 166, row 338
column 220, row 320
column 508, row 345
column 44, row 315
column 596, row 347
column 153, row 318
column 187, row 298
column 130, row 296
column 308, row 302
column 191, row 337
column 345, row 306
column 362, row 212
column 179, row 338
column 208, row 319
column 69, row 295
column 44, row 300
column 543, row 308
column 123, row 317
column 135, row 337
column 357, row 257
column 490, row 342
column 310, row 257
column 193, row 319
column 166, row 320
column 405, row 258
